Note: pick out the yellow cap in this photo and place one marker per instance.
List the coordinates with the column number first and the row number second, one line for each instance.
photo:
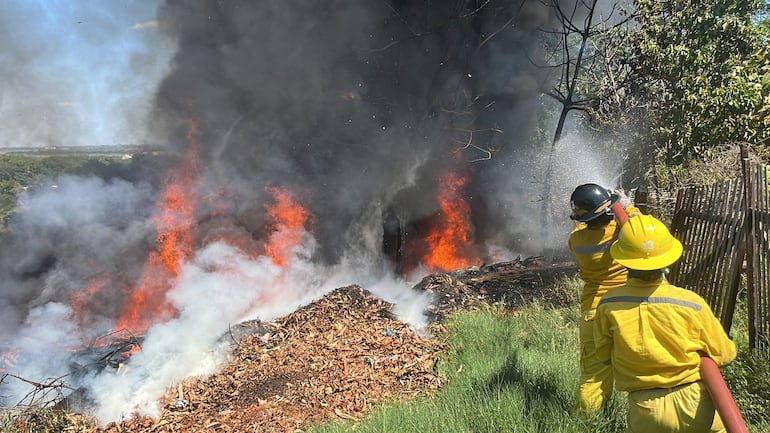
column 645, row 244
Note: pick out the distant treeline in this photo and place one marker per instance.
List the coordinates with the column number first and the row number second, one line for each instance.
column 19, row 173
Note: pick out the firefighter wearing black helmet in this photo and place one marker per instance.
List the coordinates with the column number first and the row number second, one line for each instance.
column 590, row 243
column 591, row 201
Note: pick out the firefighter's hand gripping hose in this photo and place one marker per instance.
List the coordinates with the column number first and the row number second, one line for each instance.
column 622, row 198
column 620, row 213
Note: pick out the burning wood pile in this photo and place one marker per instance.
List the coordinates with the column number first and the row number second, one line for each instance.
column 515, row 283
column 111, row 350
column 336, row 358
column 333, row 359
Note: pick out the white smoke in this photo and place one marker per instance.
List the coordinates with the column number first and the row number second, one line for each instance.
column 222, row 286
column 216, row 289
column 41, row 351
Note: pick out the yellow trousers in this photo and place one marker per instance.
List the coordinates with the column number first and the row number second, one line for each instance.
column 682, row 409
column 596, row 380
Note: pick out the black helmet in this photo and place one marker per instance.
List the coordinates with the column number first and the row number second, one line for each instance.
column 590, row 201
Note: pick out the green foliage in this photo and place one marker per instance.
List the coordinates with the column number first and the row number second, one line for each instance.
column 668, row 82
column 748, row 378
column 701, row 68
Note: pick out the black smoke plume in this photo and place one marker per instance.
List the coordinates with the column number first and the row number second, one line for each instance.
column 358, row 104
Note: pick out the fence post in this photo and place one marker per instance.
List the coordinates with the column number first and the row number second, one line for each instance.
column 749, row 231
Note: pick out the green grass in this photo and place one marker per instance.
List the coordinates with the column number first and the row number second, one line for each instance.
column 749, row 375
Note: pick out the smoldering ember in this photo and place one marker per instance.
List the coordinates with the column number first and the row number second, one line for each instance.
column 320, row 166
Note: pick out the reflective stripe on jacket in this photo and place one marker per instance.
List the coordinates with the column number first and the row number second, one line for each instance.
column 599, row 272
column 653, row 331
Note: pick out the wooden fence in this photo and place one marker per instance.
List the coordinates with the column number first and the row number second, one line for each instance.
column 758, row 254
column 724, row 230
column 709, row 222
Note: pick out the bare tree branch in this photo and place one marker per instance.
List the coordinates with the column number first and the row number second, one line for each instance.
column 488, row 152
column 473, row 12
column 507, row 23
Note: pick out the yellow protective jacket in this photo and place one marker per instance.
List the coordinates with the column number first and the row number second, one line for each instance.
column 652, row 333
column 599, row 272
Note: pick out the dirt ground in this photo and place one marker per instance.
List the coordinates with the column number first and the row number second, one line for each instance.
column 337, row 358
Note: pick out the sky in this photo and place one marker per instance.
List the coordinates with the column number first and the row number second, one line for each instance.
column 78, row 73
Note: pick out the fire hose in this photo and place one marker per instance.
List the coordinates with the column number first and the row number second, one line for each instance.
column 709, row 371
column 720, row 393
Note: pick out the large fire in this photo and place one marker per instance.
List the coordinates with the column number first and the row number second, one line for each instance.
column 175, row 224
column 445, row 244
column 450, row 237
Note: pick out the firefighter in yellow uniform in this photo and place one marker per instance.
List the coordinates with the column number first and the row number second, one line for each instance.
column 590, row 243
column 653, row 335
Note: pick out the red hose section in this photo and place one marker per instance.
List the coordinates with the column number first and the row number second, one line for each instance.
column 620, row 214
column 720, row 393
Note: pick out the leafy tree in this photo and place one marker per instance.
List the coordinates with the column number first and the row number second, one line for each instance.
column 700, row 70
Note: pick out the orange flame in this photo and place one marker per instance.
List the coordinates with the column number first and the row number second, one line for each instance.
column 451, row 236
column 175, row 223
column 287, row 219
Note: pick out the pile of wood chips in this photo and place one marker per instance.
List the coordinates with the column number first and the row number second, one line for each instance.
column 333, row 359
column 337, row 358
